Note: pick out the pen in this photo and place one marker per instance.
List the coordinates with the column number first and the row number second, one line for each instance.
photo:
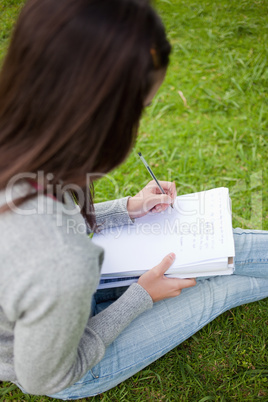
column 152, row 174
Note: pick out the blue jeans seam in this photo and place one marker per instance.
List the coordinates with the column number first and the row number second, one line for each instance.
column 97, row 387
column 251, row 262
column 186, row 336
column 246, row 233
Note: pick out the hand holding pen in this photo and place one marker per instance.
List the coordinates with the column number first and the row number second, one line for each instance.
column 156, row 196
column 152, row 175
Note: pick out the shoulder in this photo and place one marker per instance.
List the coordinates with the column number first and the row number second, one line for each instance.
column 42, row 223
column 40, row 254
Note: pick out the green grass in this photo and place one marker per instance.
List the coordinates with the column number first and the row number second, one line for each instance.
column 206, row 127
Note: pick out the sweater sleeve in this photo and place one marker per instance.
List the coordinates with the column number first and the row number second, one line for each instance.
column 50, row 271
column 55, row 340
column 112, row 213
column 110, row 322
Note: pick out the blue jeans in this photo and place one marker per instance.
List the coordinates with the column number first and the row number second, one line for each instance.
column 171, row 321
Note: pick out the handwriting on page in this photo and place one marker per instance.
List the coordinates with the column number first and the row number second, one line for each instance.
column 198, row 229
column 201, row 221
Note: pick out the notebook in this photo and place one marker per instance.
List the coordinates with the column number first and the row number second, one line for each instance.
column 198, row 230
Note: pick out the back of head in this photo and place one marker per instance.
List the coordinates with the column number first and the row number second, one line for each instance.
column 73, row 84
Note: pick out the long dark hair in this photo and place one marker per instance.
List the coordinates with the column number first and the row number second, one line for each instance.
column 72, row 87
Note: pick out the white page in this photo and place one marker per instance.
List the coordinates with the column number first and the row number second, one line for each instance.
column 197, row 229
column 210, row 268
column 228, row 271
column 129, row 280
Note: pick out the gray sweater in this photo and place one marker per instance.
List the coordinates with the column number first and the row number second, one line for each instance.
column 49, row 271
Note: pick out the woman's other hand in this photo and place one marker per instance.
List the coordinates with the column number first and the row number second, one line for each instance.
column 151, row 199
column 159, row 286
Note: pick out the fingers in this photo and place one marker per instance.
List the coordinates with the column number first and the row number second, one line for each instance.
column 165, row 264
column 168, row 187
column 160, row 208
column 161, row 198
column 158, row 285
column 150, row 198
column 183, row 283
column 155, row 200
column 164, row 198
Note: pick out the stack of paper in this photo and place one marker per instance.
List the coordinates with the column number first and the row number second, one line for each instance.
column 198, row 230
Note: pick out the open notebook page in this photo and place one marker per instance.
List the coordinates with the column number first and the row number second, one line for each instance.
column 198, row 229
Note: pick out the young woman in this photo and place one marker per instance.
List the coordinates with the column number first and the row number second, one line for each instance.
column 76, row 78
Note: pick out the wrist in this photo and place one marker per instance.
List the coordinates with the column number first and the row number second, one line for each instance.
column 130, row 211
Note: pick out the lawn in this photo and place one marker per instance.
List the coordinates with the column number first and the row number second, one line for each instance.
column 206, row 127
